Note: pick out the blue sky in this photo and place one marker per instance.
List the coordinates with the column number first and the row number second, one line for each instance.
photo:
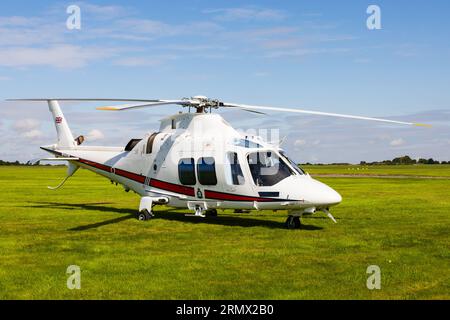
column 315, row 55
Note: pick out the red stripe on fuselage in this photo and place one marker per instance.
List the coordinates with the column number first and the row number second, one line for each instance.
column 130, row 175
column 96, row 165
column 176, row 188
column 234, row 197
column 189, row 191
column 123, row 173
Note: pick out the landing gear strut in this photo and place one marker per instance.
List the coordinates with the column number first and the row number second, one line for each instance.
column 145, row 209
column 293, row 222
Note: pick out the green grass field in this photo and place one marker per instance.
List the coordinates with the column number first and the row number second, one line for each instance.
column 401, row 225
column 380, row 170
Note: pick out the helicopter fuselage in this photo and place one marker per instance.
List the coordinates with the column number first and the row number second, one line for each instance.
column 197, row 160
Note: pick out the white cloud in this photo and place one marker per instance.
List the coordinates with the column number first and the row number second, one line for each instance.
column 147, row 26
column 27, row 31
column 304, row 142
column 157, row 29
column 104, row 12
column 24, row 125
column 260, row 33
column 44, row 41
column 230, row 14
column 301, row 52
column 17, row 21
column 95, row 135
column 142, row 61
column 33, row 134
column 28, row 128
column 194, row 47
column 282, row 43
column 61, row 56
column 397, row 142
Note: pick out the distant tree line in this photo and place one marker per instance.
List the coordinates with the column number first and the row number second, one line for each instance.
column 399, row 160
column 395, row 161
column 17, row 163
column 405, row 160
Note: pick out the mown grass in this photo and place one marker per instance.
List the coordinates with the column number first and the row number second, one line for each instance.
column 401, row 225
column 397, row 170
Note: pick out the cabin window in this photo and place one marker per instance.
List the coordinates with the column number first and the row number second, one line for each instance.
column 206, row 171
column 150, row 142
column 233, row 171
column 186, row 171
column 267, row 168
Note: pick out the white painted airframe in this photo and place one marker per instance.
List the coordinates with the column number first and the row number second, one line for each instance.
column 198, row 161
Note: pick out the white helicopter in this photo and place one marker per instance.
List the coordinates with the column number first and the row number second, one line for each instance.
column 196, row 160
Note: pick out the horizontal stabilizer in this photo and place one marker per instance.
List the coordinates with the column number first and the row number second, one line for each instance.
column 59, row 159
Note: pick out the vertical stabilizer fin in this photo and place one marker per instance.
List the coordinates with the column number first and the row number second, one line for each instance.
column 64, row 135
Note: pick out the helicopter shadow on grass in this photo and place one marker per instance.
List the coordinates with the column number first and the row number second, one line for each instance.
column 224, row 219
column 99, row 206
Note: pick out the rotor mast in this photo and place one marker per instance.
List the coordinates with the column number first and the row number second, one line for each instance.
column 202, row 103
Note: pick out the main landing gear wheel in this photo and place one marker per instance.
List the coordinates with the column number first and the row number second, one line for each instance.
column 144, row 215
column 211, row 213
column 293, row 222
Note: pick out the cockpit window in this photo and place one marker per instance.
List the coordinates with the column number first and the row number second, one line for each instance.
column 267, row 168
column 293, row 164
column 246, row 143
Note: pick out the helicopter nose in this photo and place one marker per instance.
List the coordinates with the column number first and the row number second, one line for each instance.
column 321, row 195
column 330, row 197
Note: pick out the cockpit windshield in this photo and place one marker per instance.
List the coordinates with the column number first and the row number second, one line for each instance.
column 293, row 164
column 268, row 168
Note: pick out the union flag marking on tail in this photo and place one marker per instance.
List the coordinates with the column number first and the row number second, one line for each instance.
column 58, row 119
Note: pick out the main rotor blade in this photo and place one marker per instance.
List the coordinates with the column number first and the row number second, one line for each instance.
column 243, row 106
column 253, row 111
column 139, row 106
column 84, row 100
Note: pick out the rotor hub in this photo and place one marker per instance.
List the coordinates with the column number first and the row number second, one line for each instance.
column 202, row 103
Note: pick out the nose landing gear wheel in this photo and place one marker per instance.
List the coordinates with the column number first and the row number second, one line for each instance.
column 293, row 222
column 144, row 215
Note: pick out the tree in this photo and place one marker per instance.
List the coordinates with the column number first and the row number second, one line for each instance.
column 403, row 160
